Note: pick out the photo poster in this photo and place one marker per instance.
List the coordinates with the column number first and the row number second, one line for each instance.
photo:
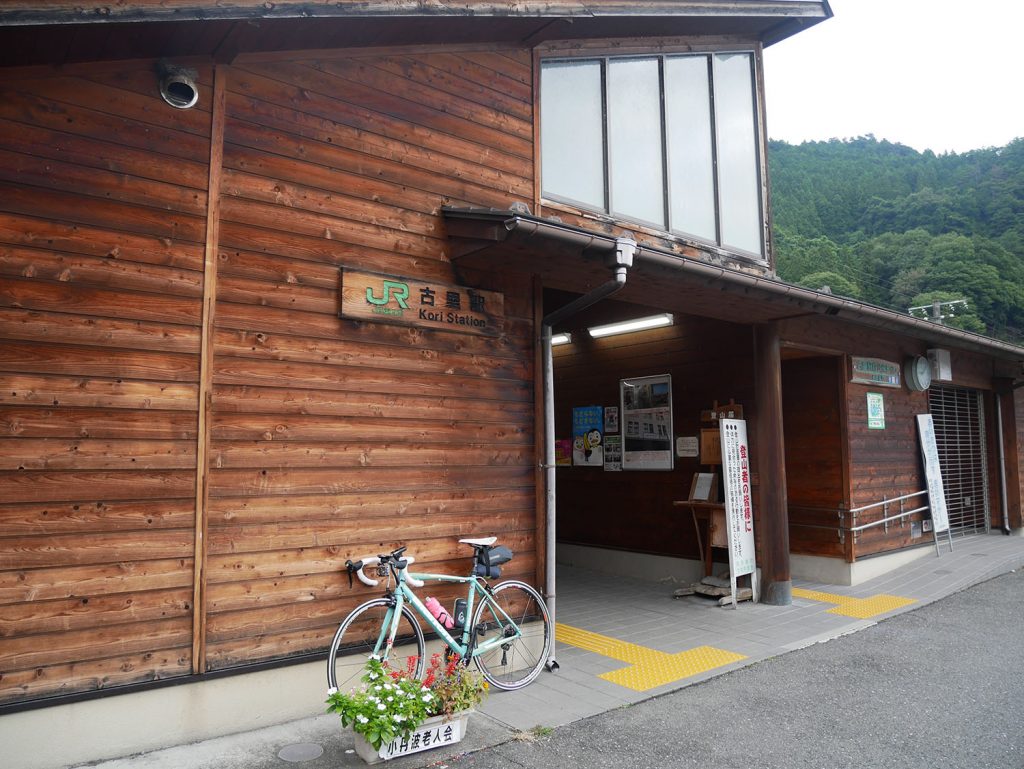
column 646, row 417
column 613, row 453
column 739, row 511
column 876, row 411
column 611, row 419
column 563, row 452
column 587, row 436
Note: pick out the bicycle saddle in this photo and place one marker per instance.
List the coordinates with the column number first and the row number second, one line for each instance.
column 480, row 541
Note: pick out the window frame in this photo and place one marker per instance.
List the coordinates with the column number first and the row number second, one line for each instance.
column 554, row 56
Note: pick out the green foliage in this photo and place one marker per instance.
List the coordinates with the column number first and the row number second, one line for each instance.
column 384, row 707
column 391, row 703
column 832, row 282
column 455, row 686
column 898, row 224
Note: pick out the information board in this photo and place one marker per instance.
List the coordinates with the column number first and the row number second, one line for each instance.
column 739, row 511
column 933, row 473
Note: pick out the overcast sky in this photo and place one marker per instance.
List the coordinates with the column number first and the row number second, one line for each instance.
column 945, row 75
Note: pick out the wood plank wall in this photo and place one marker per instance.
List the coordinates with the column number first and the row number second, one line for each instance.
column 708, row 360
column 886, row 463
column 333, row 439
column 322, row 431
column 103, row 194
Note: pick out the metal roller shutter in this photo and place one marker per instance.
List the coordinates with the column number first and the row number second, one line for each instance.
column 958, row 414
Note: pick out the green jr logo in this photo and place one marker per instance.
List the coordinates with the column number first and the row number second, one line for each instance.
column 392, row 290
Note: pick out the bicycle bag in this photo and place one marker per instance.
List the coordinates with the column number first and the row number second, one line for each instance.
column 488, row 560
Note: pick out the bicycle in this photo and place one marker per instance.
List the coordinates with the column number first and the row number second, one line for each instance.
column 509, row 637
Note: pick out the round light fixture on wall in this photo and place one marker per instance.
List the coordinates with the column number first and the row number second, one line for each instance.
column 917, row 371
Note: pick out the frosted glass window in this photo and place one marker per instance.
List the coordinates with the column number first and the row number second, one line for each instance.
column 691, row 170
column 636, row 158
column 572, row 132
column 669, row 141
column 739, row 189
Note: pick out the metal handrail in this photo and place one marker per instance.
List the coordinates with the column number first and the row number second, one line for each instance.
column 884, row 504
column 842, row 528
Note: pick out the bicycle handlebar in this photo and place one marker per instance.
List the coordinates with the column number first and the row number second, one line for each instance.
column 357, row 567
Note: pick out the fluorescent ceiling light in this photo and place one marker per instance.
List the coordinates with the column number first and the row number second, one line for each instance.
column 557, row 339
column 639, row 324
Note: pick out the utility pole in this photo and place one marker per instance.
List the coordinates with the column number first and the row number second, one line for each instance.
column 953, row 307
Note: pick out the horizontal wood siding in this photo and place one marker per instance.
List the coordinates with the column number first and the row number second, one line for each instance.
column 102, row 209
column 884, row 463
column 333, row 439
column 708, row 361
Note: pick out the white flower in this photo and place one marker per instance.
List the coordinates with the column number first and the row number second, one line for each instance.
column 398, row 718
column 362, row 719
column 388, row 686
column 372, row 676
column 374, row 656
column 427, row 697
column 391, row 699
column 376, row 688
column 381, row 707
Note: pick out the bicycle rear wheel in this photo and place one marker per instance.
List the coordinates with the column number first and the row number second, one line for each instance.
column 363, row 633
column 516, row 662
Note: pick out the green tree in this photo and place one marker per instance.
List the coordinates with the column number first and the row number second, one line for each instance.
column 832, row 282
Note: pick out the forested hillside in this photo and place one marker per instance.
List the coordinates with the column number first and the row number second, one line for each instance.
column 899, row 228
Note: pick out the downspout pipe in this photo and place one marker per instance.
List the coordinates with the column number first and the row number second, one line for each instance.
column 1003, row 498
column 620, row 261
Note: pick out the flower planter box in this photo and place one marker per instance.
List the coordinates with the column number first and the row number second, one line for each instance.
column 435, row 732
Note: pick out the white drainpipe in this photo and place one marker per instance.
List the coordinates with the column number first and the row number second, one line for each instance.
column 621, row 261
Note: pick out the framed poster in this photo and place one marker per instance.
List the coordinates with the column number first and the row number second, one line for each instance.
column 646, row 421
column 587, row 424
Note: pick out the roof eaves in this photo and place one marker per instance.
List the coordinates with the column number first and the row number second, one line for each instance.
column 795, row 14
column 503, row 225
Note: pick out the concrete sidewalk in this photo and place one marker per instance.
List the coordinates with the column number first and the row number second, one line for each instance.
column 621, row 641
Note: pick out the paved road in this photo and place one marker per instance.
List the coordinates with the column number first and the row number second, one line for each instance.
column 941, row 687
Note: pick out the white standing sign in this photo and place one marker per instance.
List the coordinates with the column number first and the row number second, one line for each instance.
column 739, row 511
column 933, row 477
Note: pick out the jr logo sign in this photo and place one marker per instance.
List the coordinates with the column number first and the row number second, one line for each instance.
column 392, row 289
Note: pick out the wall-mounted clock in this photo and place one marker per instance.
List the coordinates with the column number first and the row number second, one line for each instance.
column 917, row 372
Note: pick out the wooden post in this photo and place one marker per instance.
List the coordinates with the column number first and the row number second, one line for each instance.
column 206, row 371
column 777, row 585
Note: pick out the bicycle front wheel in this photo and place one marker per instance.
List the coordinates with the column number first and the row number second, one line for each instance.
column 515, row 612
column 364, row 633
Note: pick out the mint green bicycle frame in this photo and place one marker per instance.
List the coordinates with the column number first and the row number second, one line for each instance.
column 404, row 594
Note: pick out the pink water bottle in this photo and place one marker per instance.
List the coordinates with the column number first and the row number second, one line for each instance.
column 440, row 613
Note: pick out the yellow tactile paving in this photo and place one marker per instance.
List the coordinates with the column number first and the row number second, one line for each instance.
column 648, row 668
column 858, row 608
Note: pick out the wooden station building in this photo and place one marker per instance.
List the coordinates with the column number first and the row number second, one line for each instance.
column 274, row 280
